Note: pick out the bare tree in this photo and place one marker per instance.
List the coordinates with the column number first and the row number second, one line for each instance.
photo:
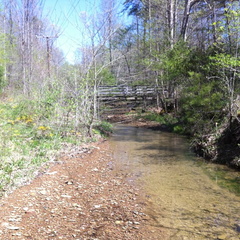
column 93, row 59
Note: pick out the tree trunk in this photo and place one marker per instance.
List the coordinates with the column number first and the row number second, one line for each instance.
column 188, row 5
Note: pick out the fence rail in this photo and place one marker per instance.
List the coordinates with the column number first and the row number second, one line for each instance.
column 110, row 92
column 122, row 99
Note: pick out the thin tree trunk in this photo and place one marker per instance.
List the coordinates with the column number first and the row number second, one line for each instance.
column 171, row 22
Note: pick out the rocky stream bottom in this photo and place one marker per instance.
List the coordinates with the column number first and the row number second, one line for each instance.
column 80, row 196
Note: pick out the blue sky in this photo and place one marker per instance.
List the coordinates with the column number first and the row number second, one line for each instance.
column 65, row 16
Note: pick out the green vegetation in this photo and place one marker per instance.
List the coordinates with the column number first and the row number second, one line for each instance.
column 201, row 103
column 30, row 138
column 166, row 119
column 106, row 77
column 103, row 128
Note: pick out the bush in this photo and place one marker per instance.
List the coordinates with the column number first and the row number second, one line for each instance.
column 29, row 140
column 179, row 129
column 201, row 104
column 103, row 128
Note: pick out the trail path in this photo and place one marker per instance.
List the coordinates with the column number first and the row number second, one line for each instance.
column 81, row 196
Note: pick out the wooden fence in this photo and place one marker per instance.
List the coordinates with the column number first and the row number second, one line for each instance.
column 108, row 93
column 122, row 99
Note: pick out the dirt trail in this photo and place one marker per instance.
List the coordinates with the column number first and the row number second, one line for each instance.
column 79, row 197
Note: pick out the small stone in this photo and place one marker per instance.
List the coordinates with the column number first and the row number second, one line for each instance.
column 17, row 234
column 13, row 220
column 95, row 170
column 33, row 194
column 69, row 182
column 222, row 237
column 66, row 196
column 51, row 173
column 30, row 211
column 118, row 222
column 135, row 227
column 13, row 228
column 43, row 192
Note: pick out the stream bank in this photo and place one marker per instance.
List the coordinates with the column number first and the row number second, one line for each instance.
column 79, row 196
column 223, row 146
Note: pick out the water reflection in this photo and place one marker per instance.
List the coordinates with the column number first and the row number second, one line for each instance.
column 183, row 199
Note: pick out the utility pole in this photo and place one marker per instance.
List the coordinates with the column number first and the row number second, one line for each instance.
column 48, row 50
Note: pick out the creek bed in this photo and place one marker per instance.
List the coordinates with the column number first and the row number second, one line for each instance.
column 183, row 200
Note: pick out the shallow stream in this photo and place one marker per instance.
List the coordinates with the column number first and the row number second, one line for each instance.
column 183, row 200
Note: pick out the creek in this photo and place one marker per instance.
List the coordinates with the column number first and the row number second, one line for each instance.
column 183, row 199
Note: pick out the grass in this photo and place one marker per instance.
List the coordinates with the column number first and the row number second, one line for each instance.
column 31, row 136
column 103, row 128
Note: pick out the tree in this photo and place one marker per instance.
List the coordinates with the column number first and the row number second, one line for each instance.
column 226, row 60
column 95, row 60
column 187, row 9
column 4, row 51
column 202, row 101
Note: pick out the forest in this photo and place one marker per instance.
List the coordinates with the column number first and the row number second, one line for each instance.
column 190, row 48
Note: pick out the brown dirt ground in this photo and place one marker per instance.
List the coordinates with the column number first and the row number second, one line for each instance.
column 80, row 196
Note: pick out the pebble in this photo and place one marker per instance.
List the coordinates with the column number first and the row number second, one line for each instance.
column 118, row 222
column 43, row 192
column 14, row 219
column 95, row 170
column 76, row 205
column 25, row 209
column 66, row 196
column 69, row 182
column 222, row 237
column 51, row 173
column 30, row 211
column 13, row 227
column 17, row 234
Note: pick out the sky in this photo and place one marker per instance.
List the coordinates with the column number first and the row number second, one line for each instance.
column 65, row 15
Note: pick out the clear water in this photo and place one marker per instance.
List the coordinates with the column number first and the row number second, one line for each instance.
column 183, row 200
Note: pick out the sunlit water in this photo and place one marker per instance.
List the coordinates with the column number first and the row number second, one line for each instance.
column 183, row 200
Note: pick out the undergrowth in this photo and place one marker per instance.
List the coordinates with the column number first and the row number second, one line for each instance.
column 166, row 119
column 32, row 135
column 103, row 128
